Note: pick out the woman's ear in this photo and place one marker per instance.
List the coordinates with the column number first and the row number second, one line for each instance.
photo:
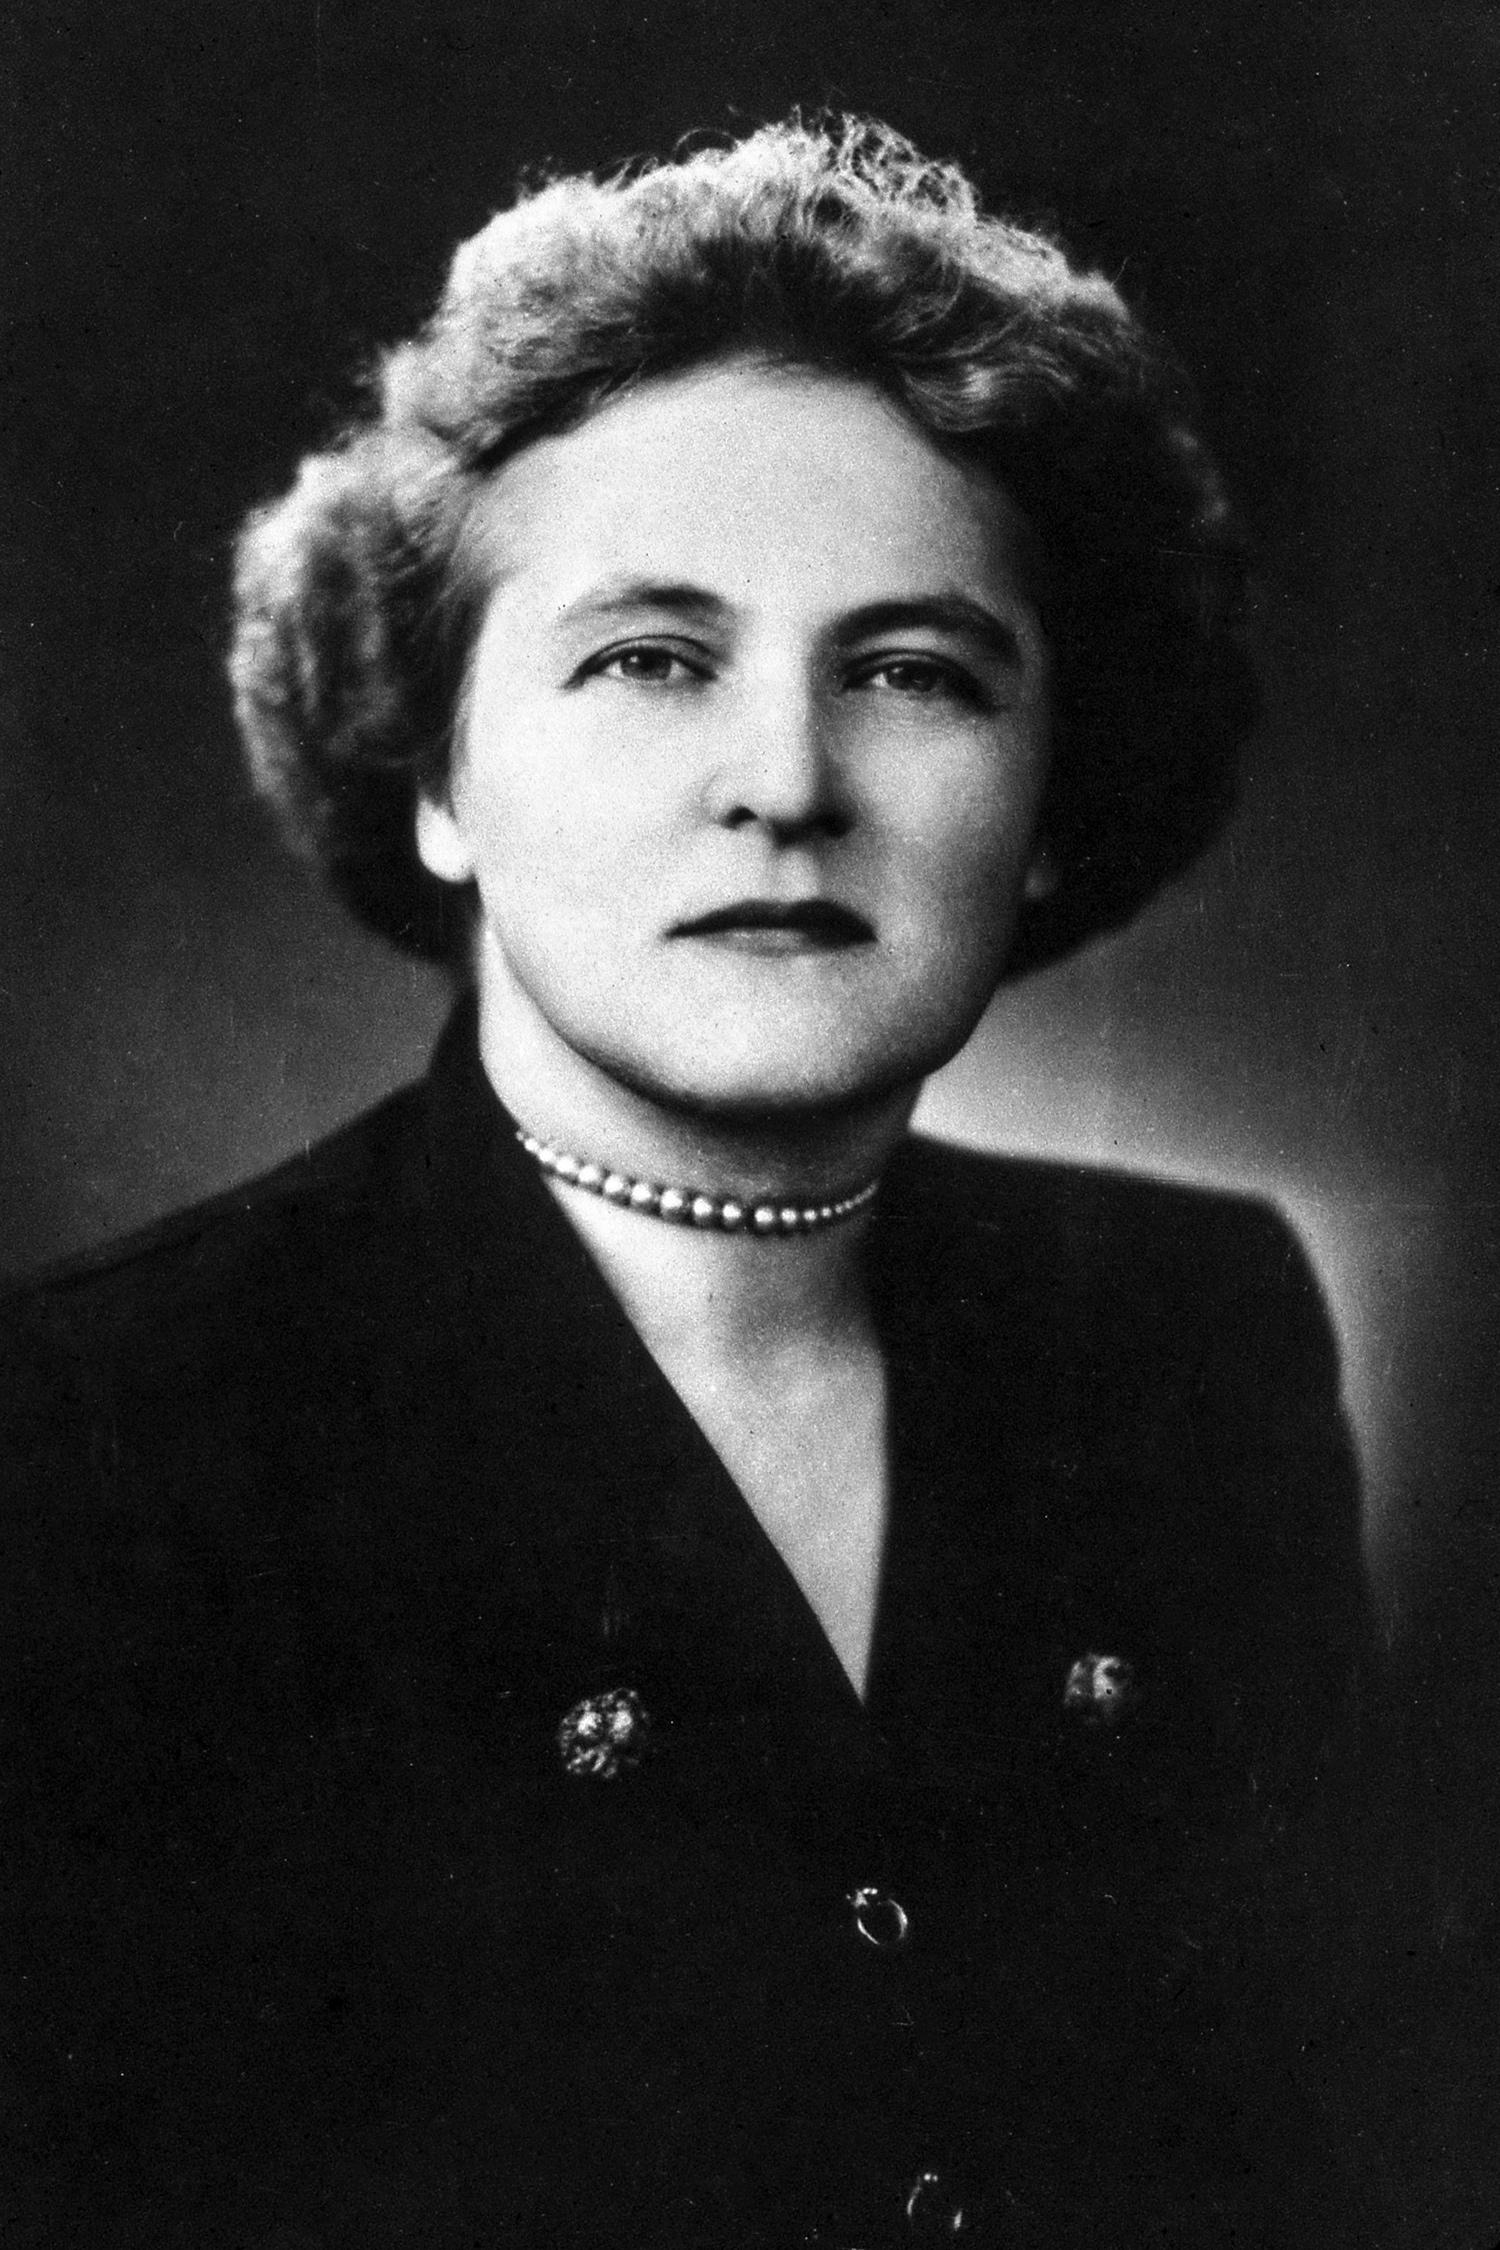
column 1042, row 877
column 442, row 845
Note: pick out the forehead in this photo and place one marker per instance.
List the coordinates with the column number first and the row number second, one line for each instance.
column 776, row 486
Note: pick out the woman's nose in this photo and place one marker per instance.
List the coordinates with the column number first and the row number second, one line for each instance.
column 777, row 767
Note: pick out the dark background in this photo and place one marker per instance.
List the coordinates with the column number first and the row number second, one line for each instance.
column 215, row 209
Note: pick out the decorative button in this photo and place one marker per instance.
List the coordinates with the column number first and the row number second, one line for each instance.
column 935, row 2208
column 604, row 1734
column 1101, row 1688
column 880, row 1919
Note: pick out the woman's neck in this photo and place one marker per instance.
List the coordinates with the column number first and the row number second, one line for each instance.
column 737, row 1292
column 730, row 1298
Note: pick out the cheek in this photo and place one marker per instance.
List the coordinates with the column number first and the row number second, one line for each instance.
column 508, row 798
column 570, row 784
column 557, row 861
column 972, row 839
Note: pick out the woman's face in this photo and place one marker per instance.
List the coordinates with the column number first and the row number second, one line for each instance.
column 753, row 742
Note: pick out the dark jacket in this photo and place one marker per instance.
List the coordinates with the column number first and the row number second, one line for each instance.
column 435, row 1816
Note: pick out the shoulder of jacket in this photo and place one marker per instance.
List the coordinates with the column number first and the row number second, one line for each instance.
column 1112, row 1260
column 1096, row 1204
column 194, row 1261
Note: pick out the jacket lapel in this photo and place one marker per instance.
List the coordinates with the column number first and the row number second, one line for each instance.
column 583, row 1478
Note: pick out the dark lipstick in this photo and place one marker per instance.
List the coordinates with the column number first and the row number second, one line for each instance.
column 818, row 921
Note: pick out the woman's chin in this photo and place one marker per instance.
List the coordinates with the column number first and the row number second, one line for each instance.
column 812, row 1052
column 775, row 1081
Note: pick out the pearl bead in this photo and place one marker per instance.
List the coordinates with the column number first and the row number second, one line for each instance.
column 689, row 1204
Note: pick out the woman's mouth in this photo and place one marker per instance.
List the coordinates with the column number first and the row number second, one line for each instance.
column 766, row 926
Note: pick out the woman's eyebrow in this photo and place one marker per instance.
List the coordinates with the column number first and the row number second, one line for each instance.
column 618, row 595
column 943, row 613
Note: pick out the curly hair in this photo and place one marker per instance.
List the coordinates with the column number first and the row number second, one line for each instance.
column 835, row 246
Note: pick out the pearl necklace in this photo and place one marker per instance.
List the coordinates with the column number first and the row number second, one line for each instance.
column 685, row 1206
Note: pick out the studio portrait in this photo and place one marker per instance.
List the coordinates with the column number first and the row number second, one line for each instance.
column 746, row 1445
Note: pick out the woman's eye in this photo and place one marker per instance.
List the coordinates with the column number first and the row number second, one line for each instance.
column 921, row 677
column 647, row 666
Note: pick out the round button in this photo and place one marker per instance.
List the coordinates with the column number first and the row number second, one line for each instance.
column 935, row 2208
column 880, row 1919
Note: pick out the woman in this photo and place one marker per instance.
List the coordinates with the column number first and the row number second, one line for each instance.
column 623, row 1653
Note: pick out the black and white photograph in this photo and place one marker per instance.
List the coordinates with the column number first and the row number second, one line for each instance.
column 750, row 1233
